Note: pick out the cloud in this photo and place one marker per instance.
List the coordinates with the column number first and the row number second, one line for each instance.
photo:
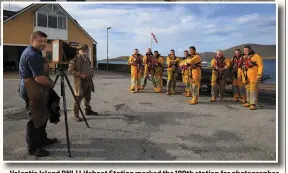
column 207, row 10
column 175, row 26
column 248, row 18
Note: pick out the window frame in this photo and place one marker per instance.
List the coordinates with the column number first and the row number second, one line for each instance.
column 37, row 19
column 52, row 15
column 47, row 16
column 65, row 22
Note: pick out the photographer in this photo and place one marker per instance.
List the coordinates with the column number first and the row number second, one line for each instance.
column 80, row 68
column 34, row 89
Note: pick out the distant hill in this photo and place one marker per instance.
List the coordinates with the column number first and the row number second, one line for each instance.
column 266, row 51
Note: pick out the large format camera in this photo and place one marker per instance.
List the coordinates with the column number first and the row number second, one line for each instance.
column 63, row 53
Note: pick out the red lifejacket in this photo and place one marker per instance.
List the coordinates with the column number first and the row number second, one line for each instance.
column 220, row 62
column 138, row 59
column 236, row 63
column 153, row 63
column 248, row 63
column 149, row 57
column 247, row 60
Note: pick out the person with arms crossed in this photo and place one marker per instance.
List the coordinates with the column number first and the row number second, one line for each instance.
column 194, row 74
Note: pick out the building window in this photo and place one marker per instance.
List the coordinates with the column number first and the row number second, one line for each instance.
column 51, row 16
column 42, row 20
column 52, row 21
column 61, row 22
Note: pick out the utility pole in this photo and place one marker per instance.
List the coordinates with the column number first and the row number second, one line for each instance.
column 151, row 39
column 107, row 46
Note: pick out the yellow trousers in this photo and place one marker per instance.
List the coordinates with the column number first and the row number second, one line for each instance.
column 136, row 79
column 218, row 86
column 194, row 88
column 185, row 80
column 239, row 89
column 252, row 92
column 172, row 78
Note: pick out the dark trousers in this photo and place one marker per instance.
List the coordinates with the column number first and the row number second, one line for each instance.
column 35, row 137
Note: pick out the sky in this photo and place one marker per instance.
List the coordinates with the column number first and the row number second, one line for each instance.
column 208, row 27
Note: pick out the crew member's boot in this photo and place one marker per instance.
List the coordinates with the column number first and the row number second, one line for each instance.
column 168, row 92
column 173, row 92
column 188, row 94
column 158, row 90
column 235, row 99
column 155, row 89
column 252, row 107
column 243, row 99
column 246, row 104
column 194, row 101
column 213, row 99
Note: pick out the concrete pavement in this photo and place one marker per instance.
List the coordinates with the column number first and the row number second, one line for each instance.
column 147, row 126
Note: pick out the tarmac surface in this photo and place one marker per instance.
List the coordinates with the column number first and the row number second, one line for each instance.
column 147, row 126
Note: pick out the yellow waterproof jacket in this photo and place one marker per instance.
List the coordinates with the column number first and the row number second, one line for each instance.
column 146, row 60
column 214, row 64
column 185, row 72
column 253, row 72
column 169, row 60
column 159, row 69
column 133, row 61
column 194, row 73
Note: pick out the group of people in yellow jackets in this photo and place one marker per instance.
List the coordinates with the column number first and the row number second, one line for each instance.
column 247, row 70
